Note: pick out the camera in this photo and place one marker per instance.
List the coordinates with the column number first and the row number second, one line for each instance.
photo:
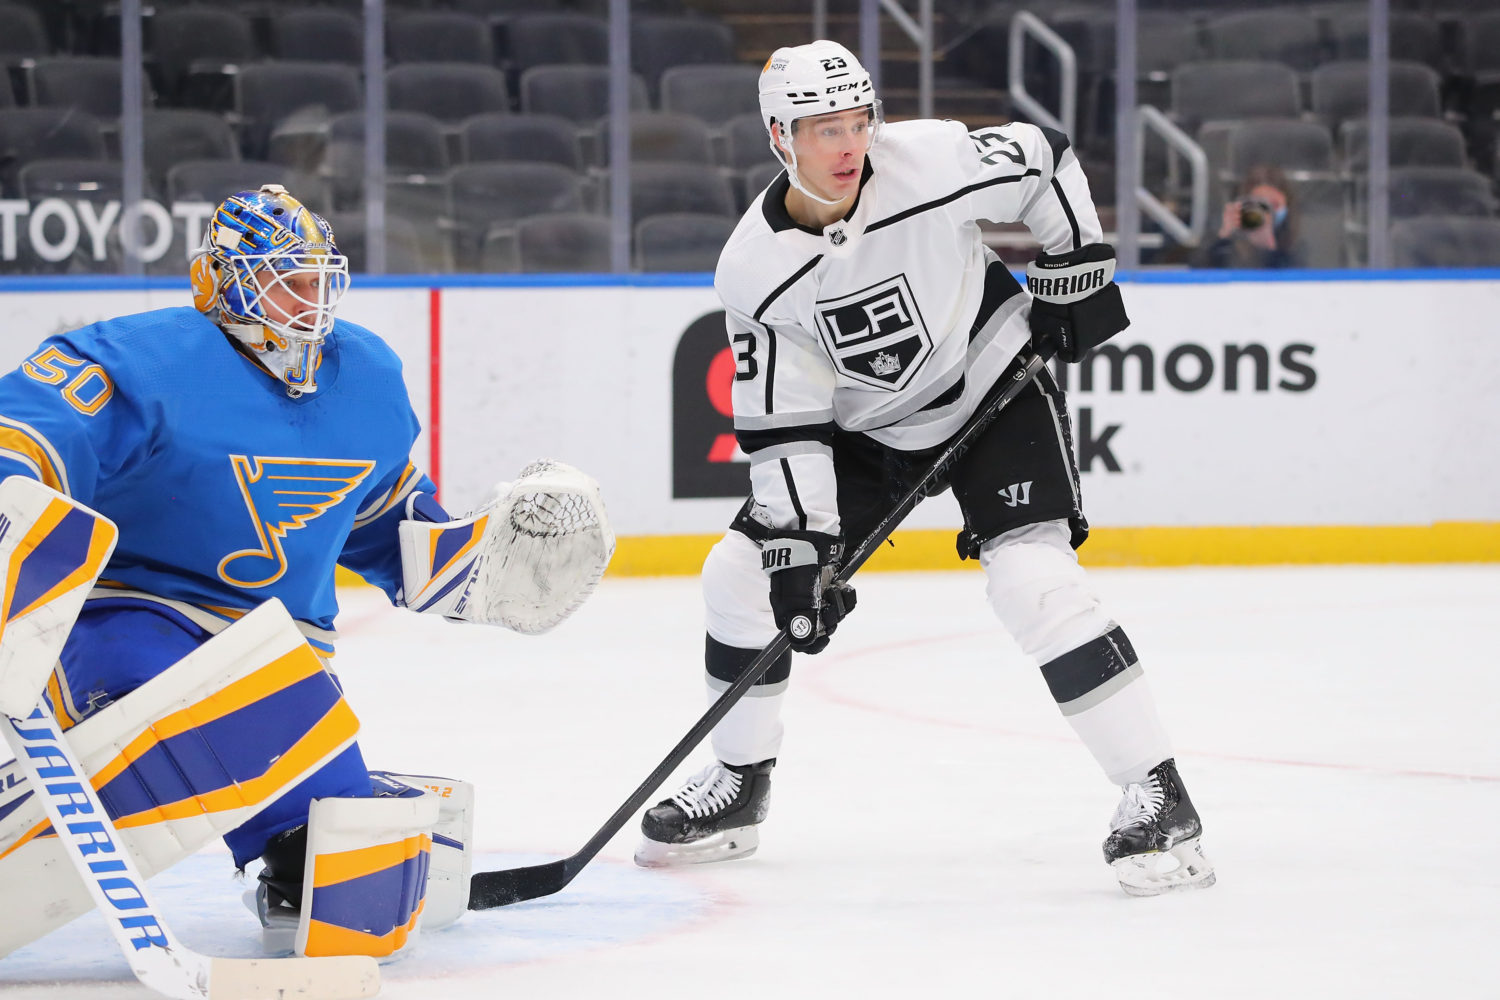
column 1253, row 213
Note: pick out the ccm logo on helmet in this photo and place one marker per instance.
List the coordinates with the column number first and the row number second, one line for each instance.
column 840, row 88
column 1067, row 285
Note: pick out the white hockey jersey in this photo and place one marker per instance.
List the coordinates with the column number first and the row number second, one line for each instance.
column 895, row 321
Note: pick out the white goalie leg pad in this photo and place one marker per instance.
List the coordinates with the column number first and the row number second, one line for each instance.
column 365, row 878
column 230, row 674
column 526, row 559
column 52, row 549
column 452, row 864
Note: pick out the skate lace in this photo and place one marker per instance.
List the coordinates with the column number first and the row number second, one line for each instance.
column 1142, row 803
column 710, row 790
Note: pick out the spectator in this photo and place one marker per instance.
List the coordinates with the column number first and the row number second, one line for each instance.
column 1259, row 228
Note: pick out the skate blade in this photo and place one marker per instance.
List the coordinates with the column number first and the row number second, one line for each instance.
column 740, row 842
column 1181, row 867
column 278, row 929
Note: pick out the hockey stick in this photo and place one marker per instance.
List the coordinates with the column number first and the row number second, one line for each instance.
column 157, row 958
column 512, row 885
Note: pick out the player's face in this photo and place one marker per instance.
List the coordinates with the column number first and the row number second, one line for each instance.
column 291, row 298
column 831, row 151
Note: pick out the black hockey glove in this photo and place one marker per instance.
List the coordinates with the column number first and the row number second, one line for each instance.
column 804, row 598
column 1076, row 304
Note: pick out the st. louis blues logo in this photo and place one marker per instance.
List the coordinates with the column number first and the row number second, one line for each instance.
column 876, row 335
column 282, row 495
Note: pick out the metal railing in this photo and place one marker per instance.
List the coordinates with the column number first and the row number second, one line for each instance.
column 1189, row 233
column 1026, row 24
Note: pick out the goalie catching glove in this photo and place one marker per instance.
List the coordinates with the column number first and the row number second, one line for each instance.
column 526, row 559
column 805, row 600
column 1076, row 305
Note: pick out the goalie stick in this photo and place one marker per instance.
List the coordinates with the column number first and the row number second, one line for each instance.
column 157, row 958
column 514, row 885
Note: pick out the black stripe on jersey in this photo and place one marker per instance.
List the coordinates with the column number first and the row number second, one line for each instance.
column 1067, row 210
column 770, row 370
column 753, row 441
column 1079, row 671
column 791, row 494
column 788, row 283
column 940, row 202
column 1059, row 143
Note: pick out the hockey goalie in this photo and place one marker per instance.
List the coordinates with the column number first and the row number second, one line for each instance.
column 245, row 447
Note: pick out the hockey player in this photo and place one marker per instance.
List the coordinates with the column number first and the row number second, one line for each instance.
column 868, row 321
column 245, row 448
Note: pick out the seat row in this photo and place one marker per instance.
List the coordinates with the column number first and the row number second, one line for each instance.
column 189, row 42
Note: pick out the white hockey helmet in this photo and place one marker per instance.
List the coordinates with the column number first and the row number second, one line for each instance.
column 819, row 78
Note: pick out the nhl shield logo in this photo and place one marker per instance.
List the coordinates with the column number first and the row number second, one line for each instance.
column 876, row 336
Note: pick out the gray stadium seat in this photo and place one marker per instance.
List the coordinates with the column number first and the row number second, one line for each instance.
column 450, row 92
column 578, row 93
column 1287, row 143
column 268, row 94
column 571, row 241
column 22, row 34
column 1341, row 90
column 1445, row 242
column 1413, row 142
column 172, row 135
column 193, row 48
column 1214, row 91
column 28, row 134
column 681, row 241
column 535, row 138
column 87, row 83
column 318, row 34
column 660, row 135
column 758, row 178
column 543, row 39
column 1439, row 191
column 746, row 143
column 416, row 160
column 658, row 43
column 214, row 180
column 93, row 180
column 439, row 36
column 660, row 188
column 1282, row 36
column 481, row 195
column 713, row 92
column 1414, row 37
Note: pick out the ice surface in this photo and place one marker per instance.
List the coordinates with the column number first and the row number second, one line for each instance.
column 935, row 827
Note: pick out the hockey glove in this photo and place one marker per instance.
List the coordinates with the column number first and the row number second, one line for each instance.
column 804, row 598
column 1076, row 304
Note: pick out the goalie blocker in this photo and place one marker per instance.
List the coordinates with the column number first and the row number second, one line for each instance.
column 526, row 559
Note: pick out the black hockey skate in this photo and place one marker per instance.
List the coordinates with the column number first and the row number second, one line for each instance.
column 1153, row 844
column 712, row 818
column 277, row 898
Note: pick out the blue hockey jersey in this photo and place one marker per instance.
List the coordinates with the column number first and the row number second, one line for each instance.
column 226, row 489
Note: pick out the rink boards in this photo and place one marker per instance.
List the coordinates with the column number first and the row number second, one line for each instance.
column 1331, row 417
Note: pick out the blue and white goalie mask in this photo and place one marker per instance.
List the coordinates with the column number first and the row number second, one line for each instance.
column 268, row 272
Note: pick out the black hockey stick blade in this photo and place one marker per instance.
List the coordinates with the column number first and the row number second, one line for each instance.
column 488, row 890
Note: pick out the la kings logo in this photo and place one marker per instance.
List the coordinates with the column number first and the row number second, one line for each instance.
column 876, row 335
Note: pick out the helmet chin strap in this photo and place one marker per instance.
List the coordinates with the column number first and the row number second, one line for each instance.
column 790, row 159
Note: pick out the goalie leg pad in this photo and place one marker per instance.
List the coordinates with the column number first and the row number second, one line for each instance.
column 452, row 864
column 188, row 756
column 365, row 880
column 52, row 549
